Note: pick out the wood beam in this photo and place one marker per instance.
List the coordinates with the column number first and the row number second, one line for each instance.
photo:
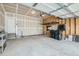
column 70, row 26
column 65, row 28
column 3, row 7
column 74, row 26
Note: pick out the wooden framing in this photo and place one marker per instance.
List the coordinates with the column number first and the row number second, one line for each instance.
column 2, row 22
column 65, row 27
column 3, row 8
column 69, row 26
column 74, row 26
column 77, row 26
column 10, row 7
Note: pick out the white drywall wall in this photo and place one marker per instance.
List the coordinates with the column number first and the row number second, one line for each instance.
column 9, row 23
column 25, row 25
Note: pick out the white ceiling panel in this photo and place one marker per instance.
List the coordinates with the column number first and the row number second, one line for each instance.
column 77, row 13
column 69, row 15
column 74, row 7
column 57, row 13
column 53, row 6
column 43, row 8
column 62, row 11
column 28, row 4
column 67, row 4
column 47, row 7
column 63, row 16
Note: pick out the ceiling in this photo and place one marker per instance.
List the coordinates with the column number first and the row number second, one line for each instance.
column 62, row 10
column 19, row 9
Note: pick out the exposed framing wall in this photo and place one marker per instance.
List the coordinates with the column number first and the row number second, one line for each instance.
column 71, row 24
column 2, row 18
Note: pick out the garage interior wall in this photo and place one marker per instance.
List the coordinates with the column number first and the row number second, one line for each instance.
column 23, row 25
column 71, row 25
column 77, row 26
column 2, row 18
column 28, row 25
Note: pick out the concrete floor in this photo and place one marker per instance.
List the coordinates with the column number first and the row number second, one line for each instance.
column 40, row 46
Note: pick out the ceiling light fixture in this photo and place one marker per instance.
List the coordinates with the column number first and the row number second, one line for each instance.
column 43, row 15
column 33, row 12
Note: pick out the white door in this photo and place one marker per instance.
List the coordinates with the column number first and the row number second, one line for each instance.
column 10, row 24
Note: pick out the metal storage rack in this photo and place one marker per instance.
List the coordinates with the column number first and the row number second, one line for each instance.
column 2, row 42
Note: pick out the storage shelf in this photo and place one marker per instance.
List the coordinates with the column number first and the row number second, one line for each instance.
column 50, row 23
column 2, row 41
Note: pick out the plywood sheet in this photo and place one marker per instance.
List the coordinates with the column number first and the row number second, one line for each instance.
column 67, row 27
column 77, row 26
column 56, row 19
column 72, row 26
column 60, row 21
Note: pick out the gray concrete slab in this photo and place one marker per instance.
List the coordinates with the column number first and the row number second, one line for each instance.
column 40, row 46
